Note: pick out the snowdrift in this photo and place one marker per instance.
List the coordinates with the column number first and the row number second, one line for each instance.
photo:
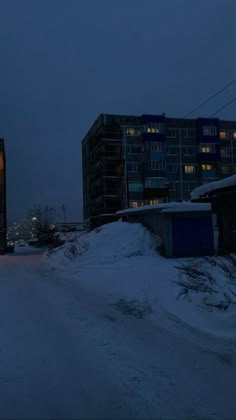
column 120, row 261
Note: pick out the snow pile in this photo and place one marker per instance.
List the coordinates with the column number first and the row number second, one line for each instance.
column 109, row 243
column 118, row 261
column 120, row 240
column 205, row 189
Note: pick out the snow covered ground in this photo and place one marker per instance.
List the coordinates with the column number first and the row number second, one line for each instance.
column 195, row 290
column 103, row 327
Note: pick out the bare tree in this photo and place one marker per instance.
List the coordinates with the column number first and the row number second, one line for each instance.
column 42, row 223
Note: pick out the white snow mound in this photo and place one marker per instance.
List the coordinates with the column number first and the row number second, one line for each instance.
column 108, row 243
column 120, row 239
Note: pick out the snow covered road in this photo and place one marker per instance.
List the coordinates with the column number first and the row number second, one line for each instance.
column 67, row 352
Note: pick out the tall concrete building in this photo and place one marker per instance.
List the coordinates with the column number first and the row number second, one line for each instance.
column 131, row 161
column 3, row 224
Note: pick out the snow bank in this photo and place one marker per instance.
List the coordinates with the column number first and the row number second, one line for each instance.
column 109, row 243
column 119, row 262
column 212, row 186
column 120, row 239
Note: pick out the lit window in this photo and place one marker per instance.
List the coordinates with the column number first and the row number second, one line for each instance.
column 207, row 148
column 153, row 130
column 222, row 135
column 209, row 130
column 207, row 167
column 189, row 169
column 154, row 202
column 134, row 204
column 234, row 135
column 131, row 131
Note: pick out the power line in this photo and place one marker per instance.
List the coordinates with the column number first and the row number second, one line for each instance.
column 224, row 106
column 211, row 97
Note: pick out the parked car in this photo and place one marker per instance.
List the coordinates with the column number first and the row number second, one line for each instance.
column 21, row 242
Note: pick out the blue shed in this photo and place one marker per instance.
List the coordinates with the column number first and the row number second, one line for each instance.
column 188, row 231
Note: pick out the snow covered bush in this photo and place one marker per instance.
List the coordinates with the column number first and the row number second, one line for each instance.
column 213, row 278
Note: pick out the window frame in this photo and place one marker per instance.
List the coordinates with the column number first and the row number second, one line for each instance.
column 190, row 166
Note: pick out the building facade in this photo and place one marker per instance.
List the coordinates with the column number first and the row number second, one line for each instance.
column 3, row 224
column 131, row 161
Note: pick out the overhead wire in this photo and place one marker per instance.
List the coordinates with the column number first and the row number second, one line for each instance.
column 210, row 98
column 223, row 107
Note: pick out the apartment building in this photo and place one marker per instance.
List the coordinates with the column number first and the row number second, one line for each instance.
column 131, row 161
column 2, row 198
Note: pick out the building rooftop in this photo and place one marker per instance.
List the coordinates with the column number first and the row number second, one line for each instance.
column 173, row 207
column 209, row 188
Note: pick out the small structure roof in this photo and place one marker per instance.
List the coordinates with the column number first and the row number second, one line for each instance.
column 172, row 207
column 211, row 187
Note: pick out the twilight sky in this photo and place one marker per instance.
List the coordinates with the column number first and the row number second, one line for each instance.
column 63, row 62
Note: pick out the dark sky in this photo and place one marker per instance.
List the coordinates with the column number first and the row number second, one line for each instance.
column 64, row 62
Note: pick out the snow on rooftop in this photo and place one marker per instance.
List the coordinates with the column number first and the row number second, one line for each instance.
column 205, row 189
column 171, row 207
column 188, row 207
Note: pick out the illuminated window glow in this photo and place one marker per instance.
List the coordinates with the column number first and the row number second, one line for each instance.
column 152, row 130
column 154, row 202
column 132, row 131
column 224, row 135
column 189, row 169
column 207, row 148
column 207, row 167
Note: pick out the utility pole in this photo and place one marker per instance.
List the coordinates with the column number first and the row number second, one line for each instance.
column 180, row 164
column 125, row 168
column 64, row 212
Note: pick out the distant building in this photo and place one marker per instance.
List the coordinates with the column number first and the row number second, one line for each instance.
column 131, row 161
column 3, row 224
